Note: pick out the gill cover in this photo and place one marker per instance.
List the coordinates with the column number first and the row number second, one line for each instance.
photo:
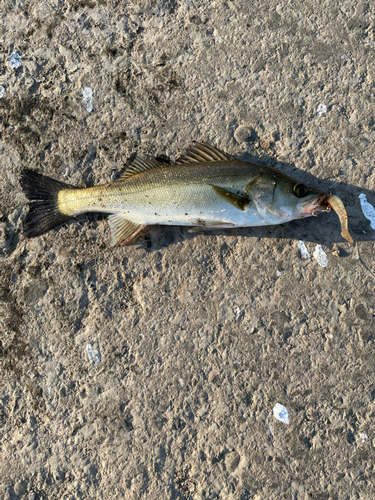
column 262, row 191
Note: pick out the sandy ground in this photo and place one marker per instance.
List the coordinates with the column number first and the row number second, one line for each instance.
column 151, row 371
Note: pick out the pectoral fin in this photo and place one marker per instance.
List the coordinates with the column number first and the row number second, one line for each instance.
column 122, row 229
column 239, row 201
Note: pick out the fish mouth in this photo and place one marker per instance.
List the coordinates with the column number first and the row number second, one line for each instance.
column 316, row 206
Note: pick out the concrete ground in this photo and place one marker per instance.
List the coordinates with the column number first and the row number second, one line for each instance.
column 151, row 371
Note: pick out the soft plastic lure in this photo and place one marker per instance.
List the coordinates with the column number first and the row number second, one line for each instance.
column 338, row 206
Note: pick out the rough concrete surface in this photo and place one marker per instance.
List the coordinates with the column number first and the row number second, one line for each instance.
column 151, row 371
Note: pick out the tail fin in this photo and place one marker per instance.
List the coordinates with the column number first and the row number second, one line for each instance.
column 44, row 213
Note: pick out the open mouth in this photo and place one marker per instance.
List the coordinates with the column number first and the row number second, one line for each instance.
column 316, row 206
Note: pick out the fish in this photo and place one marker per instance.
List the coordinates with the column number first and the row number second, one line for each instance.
column 206, row 189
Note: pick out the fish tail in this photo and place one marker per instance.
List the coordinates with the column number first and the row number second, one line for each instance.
column 42, row 192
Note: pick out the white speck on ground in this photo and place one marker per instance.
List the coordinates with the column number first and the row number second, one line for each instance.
column 270, row 430
column 330, row 336
column 320, row 256
column 181, row 382
column 2, row 91
column 363, row 436
column 87, row 98
column 322, row 110
column 15, row 60
column 281, row 413
column 303, row 249
column 67, row 172
column 93, row 355
column 238, row 312
column 367, row 209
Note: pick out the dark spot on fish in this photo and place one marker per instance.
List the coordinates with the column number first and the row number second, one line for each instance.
column 200, row 222
column 156, row 214
column 186, row 214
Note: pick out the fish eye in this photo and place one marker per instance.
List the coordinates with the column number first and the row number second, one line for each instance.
column 300, row 190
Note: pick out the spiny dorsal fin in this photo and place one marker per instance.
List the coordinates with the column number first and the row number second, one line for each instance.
column 140, row 164
column 202, row 152
column 123, row 230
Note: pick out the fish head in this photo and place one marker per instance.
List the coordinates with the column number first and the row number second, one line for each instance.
column 280, row 198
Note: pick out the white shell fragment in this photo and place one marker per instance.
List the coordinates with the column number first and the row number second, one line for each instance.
column 303, row 249
column 15, row 60
column 93, row 355
column 238, row 312
column 87, row 98
column 281, row 413
column 320, row 256
column 363, row 436
column 2, row 91
column 367, row 209
column 322, row 110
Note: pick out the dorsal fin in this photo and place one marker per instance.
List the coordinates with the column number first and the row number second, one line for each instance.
column 140, row 163
column 202, row 152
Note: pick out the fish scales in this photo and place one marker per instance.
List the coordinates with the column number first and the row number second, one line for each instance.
column 172, row 195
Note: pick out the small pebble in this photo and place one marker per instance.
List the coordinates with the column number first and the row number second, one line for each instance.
column 87, row 98
column 281, row 413
column 320, row 256
column 15, row 60
column 322, row 110
column 93, row 355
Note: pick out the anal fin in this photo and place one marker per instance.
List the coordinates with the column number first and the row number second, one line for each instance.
column 239, row 201
column 122, row 229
